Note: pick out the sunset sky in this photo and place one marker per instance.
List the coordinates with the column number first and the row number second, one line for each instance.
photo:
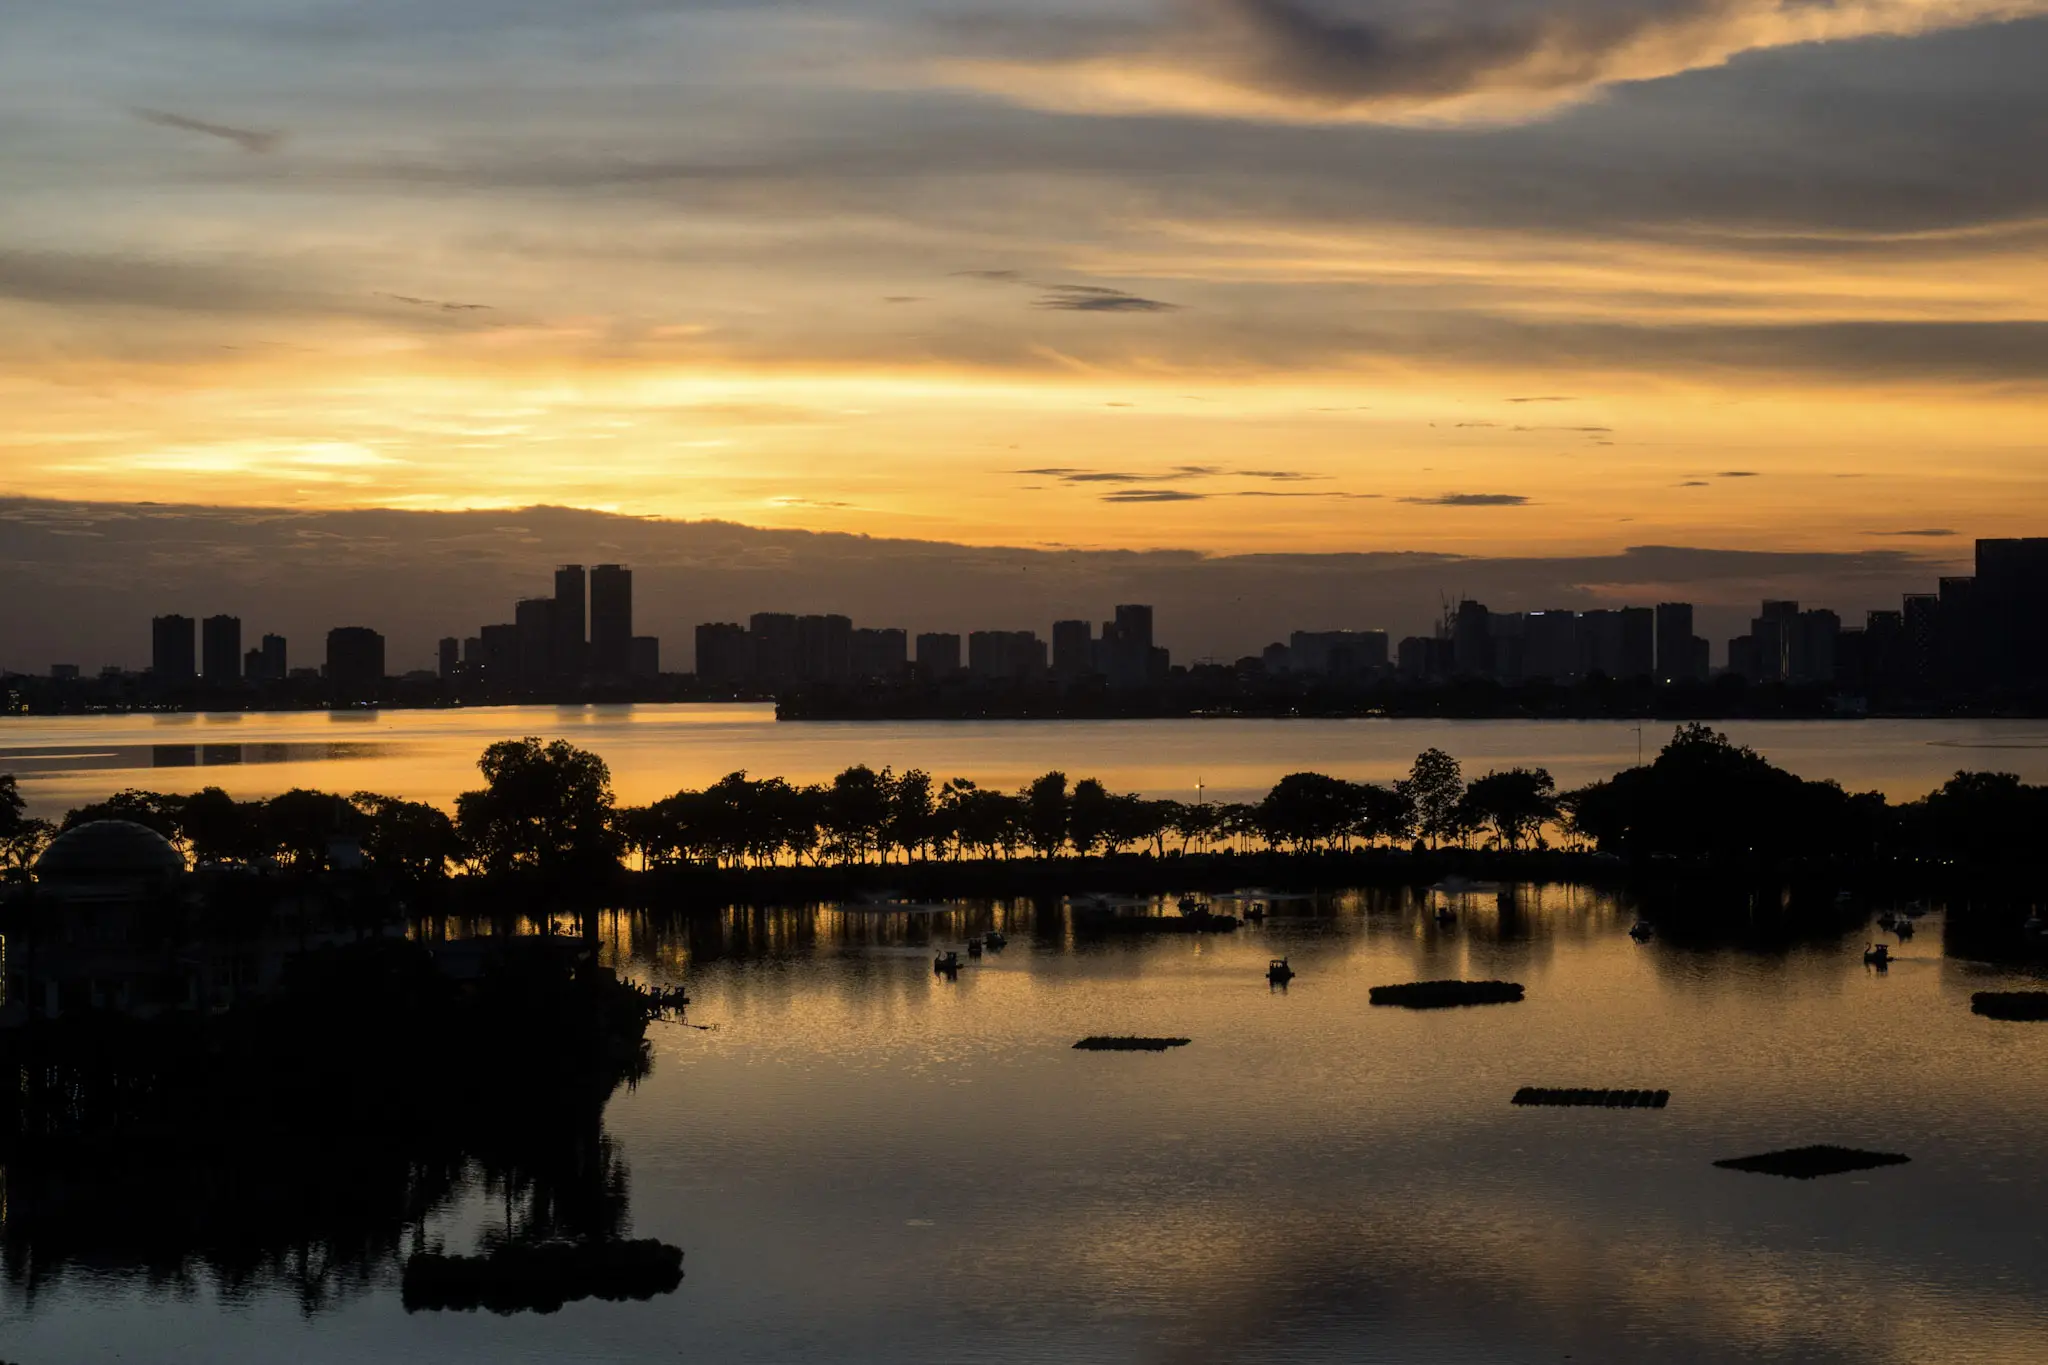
column 1509, row 277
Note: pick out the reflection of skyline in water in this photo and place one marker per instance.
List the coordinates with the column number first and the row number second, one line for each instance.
column 869, row 1163
column 654, row 750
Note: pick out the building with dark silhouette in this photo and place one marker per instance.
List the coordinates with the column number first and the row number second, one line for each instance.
column 173, row 652
column 824, row 649
column 498, row 651
column 938, row 654
column 774, row 639
column 355, row 662
column 1681, row 656
column 2011, row 612
column 879, row 655
column 1017, row 655
column 1073, row 650
column 725, row 653
column 643, row 657
column 534, row 618
column 448, row 658
column 220, row 649
column 611, row 621
column 1353, row 654
column 568, row 649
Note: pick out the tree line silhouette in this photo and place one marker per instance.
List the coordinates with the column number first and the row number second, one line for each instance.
column 547, row 808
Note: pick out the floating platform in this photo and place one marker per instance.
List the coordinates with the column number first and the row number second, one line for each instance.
column 1808, row 1163
column 2010, row 1004
column 542, row 1277
column 1593, row 1099
column 1102, row 1042
column 1437, row 995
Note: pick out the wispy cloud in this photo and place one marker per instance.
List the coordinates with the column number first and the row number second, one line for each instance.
column 1930, row 532
column 1153, row 495
column 442, row 305
column 1472, row 500
column 248, row 139
column 1091, row 298
column 1738, row 474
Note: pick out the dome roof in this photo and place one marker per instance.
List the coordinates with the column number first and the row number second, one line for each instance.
column 109, row 848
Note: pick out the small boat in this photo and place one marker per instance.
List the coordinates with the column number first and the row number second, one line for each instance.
column 974, row 947
column 1903, row 927
column 996, row 939
column 1877, row 955
column 1888, row 921
column 1642, row 931
column 1188, row 905
column 946, row 964
column 1278, row 973
column 1255, row 914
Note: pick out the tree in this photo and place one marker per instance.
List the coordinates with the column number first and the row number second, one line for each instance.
column 1516, row 803
column 408, row 839
column 911, row 827
column 152, row 810
column 1383, row 812
column 298, row 826
column 22, row 840
column 1045, row 813
column 1435, row 785
column 11, row 804
column 1088, row 816
column 544, row 808
column 220, row 829
column 856, row 812
column 1307, row 810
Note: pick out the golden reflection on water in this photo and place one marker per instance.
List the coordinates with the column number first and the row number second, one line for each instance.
column 1317, row 1178
column 654, row 750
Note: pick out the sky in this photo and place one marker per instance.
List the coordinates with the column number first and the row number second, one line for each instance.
column 1506, row 278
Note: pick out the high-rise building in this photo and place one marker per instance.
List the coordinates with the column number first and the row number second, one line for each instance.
column 1770, row 635
column 1681, row 655
column 568, row 651
column 1550, row 645
column 449, row 657
column 355, row 662
column 611, row 621
column 1124, row 654
column 643, row 657
column 535, row 619
column 252, row 666
column 173, row 656
column 879, row 654
column 1812, row 655
column 2012, row 611
column 938, row 654
column 1073, row 649
column 725, row 653
column 64, row 672
column 220, row 649
column 275, row 666
column 1886, row 661
column 824, row 649
column 1472, row 641
column 774, row 639
column 498, row 646
column 1337, row 653
column 1014, row 654
column 1638, row 658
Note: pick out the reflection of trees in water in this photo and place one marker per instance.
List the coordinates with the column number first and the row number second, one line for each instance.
column 313, row 1149
column 323, row 1216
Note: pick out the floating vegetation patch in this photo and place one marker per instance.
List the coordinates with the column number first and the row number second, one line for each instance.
column 2010, row 1004
column 1806, row 1163
column 1437, row 995
column 541, row 1278
column 1102, row 1042
column 1593, row 1099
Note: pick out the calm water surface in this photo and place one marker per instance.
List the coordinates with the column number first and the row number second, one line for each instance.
column 866, row 1163
column 653, row 750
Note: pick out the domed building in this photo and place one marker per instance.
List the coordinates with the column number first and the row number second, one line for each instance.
column 96, row 930
column 108, row 858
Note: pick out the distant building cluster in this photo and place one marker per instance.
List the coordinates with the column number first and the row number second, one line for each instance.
column 1984, row 635
column 776, row 651
column 583, row 632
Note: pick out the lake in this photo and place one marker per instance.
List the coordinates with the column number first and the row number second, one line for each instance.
column 63, row 761
column 868, row 1163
